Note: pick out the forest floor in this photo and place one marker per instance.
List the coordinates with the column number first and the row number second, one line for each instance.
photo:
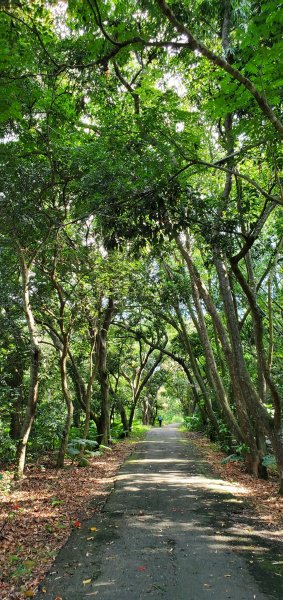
column 38, row 515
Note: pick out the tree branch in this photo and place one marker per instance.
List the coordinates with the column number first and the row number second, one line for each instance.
column 195, row 44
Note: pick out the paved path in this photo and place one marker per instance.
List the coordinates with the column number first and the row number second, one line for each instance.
column 162, row 535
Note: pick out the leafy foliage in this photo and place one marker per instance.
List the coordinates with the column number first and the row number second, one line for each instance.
column 141, row 169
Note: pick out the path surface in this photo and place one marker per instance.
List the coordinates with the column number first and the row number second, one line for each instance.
column 161, row 535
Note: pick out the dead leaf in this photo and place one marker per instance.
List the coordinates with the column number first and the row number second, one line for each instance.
column 93, row 528
column 29, row 563
column 77, row 523
column 87, row 581
column 29, row 594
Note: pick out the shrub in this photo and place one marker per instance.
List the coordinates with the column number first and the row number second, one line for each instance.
column 193, row 423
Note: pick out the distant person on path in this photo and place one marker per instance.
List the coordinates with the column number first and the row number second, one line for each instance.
column 159, row 420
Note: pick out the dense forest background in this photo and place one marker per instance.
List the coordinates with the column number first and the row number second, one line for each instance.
column 141, row 228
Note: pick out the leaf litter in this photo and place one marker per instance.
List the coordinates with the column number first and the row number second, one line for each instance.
column 261, row 495
column 38, row 514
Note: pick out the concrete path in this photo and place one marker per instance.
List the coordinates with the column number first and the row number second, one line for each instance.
column 163, row 534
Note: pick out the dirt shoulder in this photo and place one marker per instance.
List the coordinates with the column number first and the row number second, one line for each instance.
column 262, row 495
column 38, row 515
column 258, row 516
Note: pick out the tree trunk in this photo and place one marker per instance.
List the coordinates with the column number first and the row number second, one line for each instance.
column 231, row 349
column 30, row 412
column 35, row 356
column 102, row 373
column 124, row 419
column 277, row 444
column 259, row 347
column 265, row 424
column 80, row 387
column 141, row 386
column 261, row 419
column 16, row 383
column 215, row 377
column 77, row 415
column 132, row 414
column 145, row 412
column 207, row 401
column 69, row 405
column 92, row 375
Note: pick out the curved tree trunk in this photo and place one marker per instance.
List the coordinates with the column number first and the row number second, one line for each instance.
column 273, row 430
column 215, row 377
column 124, row 419
column 145, row 412
column 207, row 401
column 35, row 356
column 262, row 421
column 92, row 375
column 102, row 374
column 132, row 414
column 69, row 405
column 249, row 426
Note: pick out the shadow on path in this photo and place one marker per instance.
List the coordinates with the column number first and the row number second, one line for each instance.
column 167, row 531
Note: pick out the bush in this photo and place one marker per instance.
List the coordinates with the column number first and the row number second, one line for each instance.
column 232, row 458
column 47, row 429
column 74, row 447
column 117, row 431
column 193, row 423
column 8, row 446
column 269, row 462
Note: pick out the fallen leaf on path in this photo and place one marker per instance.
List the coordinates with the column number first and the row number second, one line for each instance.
column 93, row 528
column 90, row 538
column 86, row 581
column 141, row 568
column 158, row 587
column 77, row 523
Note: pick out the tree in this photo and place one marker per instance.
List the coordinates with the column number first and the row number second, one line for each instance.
column 143, row 195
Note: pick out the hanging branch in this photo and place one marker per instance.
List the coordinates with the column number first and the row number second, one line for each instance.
column 194, row 44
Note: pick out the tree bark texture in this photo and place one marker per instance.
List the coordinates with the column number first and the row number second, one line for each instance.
column 102, row 374
column 35, row 356
column 69, row 405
